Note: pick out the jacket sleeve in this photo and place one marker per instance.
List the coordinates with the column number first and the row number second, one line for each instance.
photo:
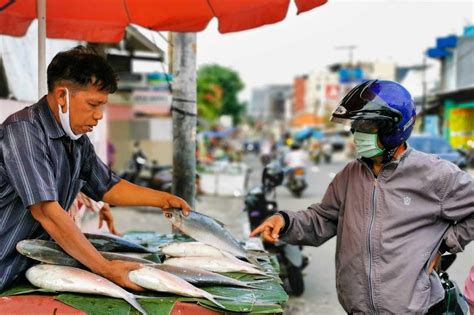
column 316, row 224
column 458, row 206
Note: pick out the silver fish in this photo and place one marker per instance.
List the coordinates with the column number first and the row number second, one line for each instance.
column 51, row 253
column 190, row 249
column 201, row 277
column 214, row 264
column 112, row 243
column 70, row 279
column 47, row 252
column 158, row 280
column 208, row 231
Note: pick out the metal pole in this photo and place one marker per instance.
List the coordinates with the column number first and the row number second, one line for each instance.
column 184, row 115
column 423, row 95
column 41, row 14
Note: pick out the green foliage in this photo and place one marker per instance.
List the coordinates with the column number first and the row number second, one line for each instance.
column 217, row 89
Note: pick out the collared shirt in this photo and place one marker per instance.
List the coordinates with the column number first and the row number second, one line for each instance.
column 38, row 162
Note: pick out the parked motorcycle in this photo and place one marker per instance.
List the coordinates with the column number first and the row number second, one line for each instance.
column 139, row 171
column 260, row 203
column 296, row 181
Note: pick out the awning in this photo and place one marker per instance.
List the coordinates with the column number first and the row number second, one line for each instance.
column 106, row 20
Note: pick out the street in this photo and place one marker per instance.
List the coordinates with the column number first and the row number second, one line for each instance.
column 320, row 294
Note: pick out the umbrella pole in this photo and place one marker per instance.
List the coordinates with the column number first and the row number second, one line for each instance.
column 41, row 14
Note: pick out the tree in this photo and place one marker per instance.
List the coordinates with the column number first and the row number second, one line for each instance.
column 218, row 87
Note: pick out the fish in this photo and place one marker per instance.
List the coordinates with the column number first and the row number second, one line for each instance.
column 51, row 253
column 213, row 264
column 187, row 249
column 112, row 243
column 126, row 257
column 47, row 252
column 197, row 249
column 158, row 280
column 70, row 279
column 201, row 277
column 209, row 231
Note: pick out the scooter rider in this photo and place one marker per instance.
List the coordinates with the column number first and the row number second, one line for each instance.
column 394, row 210
column 297, row 157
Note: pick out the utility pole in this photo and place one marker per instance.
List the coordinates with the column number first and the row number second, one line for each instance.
column 184, row 112
column 423, row 95
column 350, row 49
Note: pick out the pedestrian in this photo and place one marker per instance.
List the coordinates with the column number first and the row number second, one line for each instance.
column 469, row 290
column 46, row 159
column 394, row 211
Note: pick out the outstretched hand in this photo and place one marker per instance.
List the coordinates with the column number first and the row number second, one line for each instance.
column 270, row 228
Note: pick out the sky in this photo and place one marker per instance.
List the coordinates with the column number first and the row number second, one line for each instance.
column 383, row 30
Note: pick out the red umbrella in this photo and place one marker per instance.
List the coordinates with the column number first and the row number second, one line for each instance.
column 106, row 20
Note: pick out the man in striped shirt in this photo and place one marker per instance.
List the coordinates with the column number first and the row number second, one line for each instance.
column 46, row 160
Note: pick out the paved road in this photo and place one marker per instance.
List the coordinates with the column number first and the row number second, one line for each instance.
column 320, row 294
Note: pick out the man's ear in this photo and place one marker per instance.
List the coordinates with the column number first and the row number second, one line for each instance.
column 60, row 96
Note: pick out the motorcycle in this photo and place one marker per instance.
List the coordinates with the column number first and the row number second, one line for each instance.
column 139, row 171
column 259, row 205
column 296, row 182
column 454, row 302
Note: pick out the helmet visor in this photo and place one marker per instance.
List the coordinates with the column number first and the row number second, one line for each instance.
column 361, row 102
column 383, row 125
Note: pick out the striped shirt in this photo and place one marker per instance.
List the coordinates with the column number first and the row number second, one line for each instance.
column 38, row 162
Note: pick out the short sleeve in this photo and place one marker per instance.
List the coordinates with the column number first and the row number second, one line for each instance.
column 98, row 178
column 27, row 163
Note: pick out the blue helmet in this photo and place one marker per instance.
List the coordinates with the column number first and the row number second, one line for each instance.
column 384, row 106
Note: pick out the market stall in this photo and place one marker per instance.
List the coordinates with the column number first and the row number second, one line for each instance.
column 265, row 296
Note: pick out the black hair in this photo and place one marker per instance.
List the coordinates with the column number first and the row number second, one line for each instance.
column 82, row 66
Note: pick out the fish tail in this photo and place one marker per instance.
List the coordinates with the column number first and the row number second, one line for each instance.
column 254, row 261
column 247, row 286
column 251, row 284
column 225, row 298
column 212, row 298
column 133, row 302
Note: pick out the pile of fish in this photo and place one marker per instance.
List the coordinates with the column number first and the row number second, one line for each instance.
column 188, row 264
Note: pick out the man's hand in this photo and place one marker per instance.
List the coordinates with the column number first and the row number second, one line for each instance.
column 105, row 215
column 117, row 271
column 434, row 263
column 171, row 201
column 270, row 229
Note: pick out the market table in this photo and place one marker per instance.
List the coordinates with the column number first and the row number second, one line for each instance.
column 269, row 298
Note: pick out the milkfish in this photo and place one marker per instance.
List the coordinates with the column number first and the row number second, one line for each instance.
column 70, row 279
column 112, row 243
column 158, row 280
column 47, row 252
column 201, row 277
column 208, row 231
column 214, row 264
column 51, row 253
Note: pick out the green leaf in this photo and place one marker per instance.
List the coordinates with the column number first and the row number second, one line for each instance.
column 25, row 289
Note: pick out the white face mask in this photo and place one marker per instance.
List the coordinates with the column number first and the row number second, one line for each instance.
column 366, row 144
column 65, row 121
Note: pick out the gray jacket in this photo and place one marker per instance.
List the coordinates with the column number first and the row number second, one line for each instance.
column 389, row 229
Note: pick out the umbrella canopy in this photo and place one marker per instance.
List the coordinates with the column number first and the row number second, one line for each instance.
column 106, row 20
